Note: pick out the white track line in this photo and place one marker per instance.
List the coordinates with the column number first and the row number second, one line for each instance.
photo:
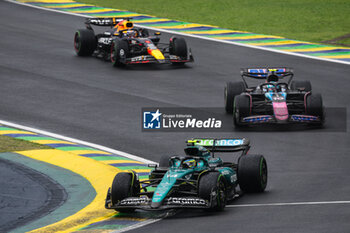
column 99, row 147
column 290, row 204
column 198, row 37
column 137, row 225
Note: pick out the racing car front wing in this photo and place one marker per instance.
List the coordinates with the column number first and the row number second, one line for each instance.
column 150, row 59
column 146, row 203
column 258, row 119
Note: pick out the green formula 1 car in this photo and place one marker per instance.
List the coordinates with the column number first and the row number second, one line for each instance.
column 196, row 180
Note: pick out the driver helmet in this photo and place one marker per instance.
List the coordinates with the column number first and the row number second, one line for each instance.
column 272, row 77
column 130, row 33
column 189, row 163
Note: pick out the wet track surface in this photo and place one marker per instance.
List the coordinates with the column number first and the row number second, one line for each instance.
column 46, row 86
column 25, row 195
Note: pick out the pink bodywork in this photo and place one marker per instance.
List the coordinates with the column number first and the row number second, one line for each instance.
column 280, row 110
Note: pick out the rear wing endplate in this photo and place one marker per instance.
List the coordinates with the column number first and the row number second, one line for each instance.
column 222, row 144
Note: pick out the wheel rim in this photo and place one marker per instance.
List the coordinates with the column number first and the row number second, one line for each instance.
column 263, row 173
column 77, row 42
column 225, row 96
column 121, row 52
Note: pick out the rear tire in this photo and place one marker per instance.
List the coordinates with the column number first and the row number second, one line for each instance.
column 295, row 85
column 84, row 42
column 252, row 173
column 209, row 182
column 178, row 47
column 232, row 89
column 241, row 109
column 314, row 106
column 119, row 52
column 124, row 186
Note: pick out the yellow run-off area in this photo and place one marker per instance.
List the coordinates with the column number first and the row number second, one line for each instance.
column 98, row 174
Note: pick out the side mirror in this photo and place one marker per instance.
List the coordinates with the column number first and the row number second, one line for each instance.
column 157, row 33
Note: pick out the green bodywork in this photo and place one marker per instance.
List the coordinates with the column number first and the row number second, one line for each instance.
column 183, row 170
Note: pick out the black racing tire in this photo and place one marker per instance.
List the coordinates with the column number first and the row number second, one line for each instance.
column 314, row 106
column 119, row 52
column 295, row 85
column 252, row 173
column 85, row 42
column 209, row 182
column 178, row 47
column 232, row 89
column 241, row 108
column 124, row 186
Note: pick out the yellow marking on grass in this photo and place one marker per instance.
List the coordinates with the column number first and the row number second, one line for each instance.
column 151, row 20
column 117, row 15
column 244, row 37
column 120, row 161
column 82, row 152
column 98, row 174
column 336, row 56
column 142, row 170
column 48, row 1
column 68, row 6
column 184, row 26
column 93, row 11
column 2, row 132
column 314, row 49
column 280, row 42
column 212, row 31
column 52, row 142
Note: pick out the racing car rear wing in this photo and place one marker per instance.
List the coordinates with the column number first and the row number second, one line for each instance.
column 261, row 73
column 104, row 21
column 222, row 144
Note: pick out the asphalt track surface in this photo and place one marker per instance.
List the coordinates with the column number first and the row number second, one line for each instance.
column 46, row 86
column 22, row 186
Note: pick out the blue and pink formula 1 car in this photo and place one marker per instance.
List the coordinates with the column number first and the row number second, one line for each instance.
column 272, row 100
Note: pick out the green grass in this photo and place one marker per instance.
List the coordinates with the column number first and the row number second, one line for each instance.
column 308, row 20
column 344, row 41
column 8, row 144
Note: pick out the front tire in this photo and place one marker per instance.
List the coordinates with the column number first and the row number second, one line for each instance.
column 241, row 109
column 178, row 47
column 252, row 173
column 314, row 106
column 84, row 42
column 124, row 185
column 119, row 52
column 232, row 89
column 209, row 183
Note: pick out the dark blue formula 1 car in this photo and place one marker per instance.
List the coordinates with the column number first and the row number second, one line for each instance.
column 197, row 179
column 273, row 100
column 123, row 44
